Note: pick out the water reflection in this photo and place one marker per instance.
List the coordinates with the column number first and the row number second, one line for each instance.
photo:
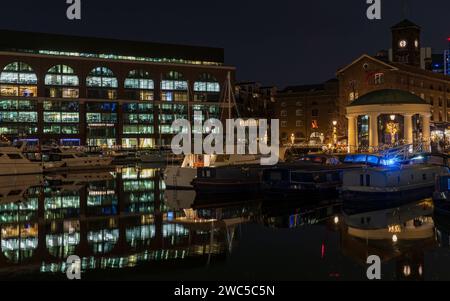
column 112, row 219
column 127, row 219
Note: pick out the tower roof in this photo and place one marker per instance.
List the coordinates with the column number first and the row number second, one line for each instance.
column 405, row 24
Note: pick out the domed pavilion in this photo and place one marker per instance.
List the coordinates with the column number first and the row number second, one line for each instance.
column 387, row 118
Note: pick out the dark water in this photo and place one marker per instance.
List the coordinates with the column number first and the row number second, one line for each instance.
column 125, row 226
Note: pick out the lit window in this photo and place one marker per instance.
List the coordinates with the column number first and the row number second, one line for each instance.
column 18, row 79
column 140, row 85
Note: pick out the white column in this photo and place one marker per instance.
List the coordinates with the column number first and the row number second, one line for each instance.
column 408, row 128
column 373, row 132
column 352, row 133
column 426, row 131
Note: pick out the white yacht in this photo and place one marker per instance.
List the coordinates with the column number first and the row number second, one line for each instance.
column 14, row 162
column 14, row 189
column 180, row 177
column 385, row 180
column 75, row 160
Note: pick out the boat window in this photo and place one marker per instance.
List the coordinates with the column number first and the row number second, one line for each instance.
column 360, row 158
column 361, row 180
column 372, row 159
column 67, row 156
column 14, row 156
column 367, row 180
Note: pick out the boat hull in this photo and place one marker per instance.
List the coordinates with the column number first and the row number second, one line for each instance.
column 8, row 169
column 304, row 194
column 383, row 198
column 213, row 188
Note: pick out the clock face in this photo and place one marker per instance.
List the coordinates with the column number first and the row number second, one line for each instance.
column 402, row 43
column 416, row 43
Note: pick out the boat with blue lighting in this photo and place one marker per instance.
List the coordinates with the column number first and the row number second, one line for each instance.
column 310, row 177
column 391, row 179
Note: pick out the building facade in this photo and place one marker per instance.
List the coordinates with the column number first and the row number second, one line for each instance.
column 367, row 74
column 308, row 113
column 255, row 100
column 101, row 92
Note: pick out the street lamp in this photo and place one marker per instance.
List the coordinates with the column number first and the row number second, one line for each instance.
column 393, row 117
column 335, row 123
column 292, row 138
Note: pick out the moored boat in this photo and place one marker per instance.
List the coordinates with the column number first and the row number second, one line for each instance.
column 181, row 177
column 237, row 180
column 312, row 176
column 14, row 162
column 389, row 181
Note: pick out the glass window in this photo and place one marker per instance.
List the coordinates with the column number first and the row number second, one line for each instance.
column 52, row 117
column 102, row 77
column 28, row 117
column 18, row 117
column 94, row 117
column 18, row 73
column 174, row 81
column 52, row 129
column 61, row 75
column 139, row 79
column 70, row 117
column 69, row 130
column 207, row 83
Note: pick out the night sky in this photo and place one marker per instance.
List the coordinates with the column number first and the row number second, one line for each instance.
column 280, row 42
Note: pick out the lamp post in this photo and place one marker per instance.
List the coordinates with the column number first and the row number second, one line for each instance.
column 335, row 123
column 292, row 138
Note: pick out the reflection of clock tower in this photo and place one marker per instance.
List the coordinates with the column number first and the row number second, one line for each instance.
column 406, row 43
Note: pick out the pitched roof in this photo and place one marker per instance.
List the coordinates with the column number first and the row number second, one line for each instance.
column 405, row 24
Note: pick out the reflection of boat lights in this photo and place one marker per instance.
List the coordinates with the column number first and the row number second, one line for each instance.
column 420, row 270
column 407, row 270
column 336, row 220
column 395, row 229
column 394, row 238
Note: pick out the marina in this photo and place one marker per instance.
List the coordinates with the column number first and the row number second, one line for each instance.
column 125, row 222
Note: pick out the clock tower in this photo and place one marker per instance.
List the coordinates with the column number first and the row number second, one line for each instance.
column 406, row 43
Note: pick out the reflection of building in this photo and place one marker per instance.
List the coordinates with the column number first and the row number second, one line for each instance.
column 401, row 72
column 103, row 92
column 387, row 117
column 400, row 235
column 307, row 113
column 113, row 220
